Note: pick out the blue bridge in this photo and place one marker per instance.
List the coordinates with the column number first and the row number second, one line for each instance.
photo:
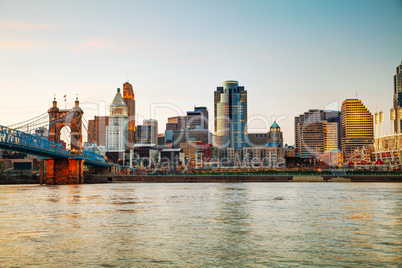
column 41, row 136
column 15, row 140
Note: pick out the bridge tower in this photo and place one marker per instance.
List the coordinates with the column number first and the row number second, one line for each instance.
column 59, row 118
column 65, row 171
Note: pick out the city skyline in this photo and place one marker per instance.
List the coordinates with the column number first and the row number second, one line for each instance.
column 178, row 52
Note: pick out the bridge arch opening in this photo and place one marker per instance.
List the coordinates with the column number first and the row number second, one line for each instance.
column 65, row 137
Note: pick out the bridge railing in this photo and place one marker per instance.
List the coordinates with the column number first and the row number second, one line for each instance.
column 18, row 138
column 93, row 156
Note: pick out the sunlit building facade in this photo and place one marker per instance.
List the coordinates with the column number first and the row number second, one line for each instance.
column 129, row 100
column 357, row 127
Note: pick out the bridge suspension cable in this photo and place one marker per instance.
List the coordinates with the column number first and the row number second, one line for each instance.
column 39, row 125
column 90, row 138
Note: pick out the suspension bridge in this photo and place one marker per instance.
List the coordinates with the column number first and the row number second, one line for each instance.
column 41, row 136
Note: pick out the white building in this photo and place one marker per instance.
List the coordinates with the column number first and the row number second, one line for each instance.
column 117, row 131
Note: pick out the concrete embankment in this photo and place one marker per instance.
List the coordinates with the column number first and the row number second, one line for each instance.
column 236, row 178
column 19, row 179
column 91, row 178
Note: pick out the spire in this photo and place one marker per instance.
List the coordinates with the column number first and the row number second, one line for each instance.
column 275, row 125
column 77, row 102
column 118, row 99
column 54, row 101
column 118, row 106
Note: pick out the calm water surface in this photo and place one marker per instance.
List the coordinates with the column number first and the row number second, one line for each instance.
column 194, row 225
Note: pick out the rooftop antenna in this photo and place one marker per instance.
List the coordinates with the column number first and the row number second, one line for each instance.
column 356, row 94
column 127, row 78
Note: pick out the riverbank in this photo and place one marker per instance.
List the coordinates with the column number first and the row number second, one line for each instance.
column 237, row 178
column 92, row 178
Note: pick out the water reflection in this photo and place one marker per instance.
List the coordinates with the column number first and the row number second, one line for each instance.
column 232, row 225
column 201, row 225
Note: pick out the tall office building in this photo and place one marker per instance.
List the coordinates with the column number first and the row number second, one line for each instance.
column 117, row 130
column 398, row 95
column 357, row 126
column 243, row 99
column 230, row 115
column 317, row 131
column 154, row 130
column 145, row 134
column 97, row 130
column 128, row 97
column 205, row 116
column 331, row 136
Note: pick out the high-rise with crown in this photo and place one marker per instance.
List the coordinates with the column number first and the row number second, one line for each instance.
column 230, row 115
column 275, row 135
column 357, row 126
column 398, row 95
column 128, row 97
column 117, row 130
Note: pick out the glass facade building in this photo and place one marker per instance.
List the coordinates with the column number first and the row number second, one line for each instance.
column 398, row 94
column 230, row 115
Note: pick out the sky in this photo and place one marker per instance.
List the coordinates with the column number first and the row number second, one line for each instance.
column 291, row 56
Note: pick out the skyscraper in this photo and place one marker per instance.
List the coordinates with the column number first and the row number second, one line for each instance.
column 217, row 99
column 205, row 116
column 154, row 129
column 128, row 97
column 230, row 115
column 117, row 130
column 357, row 126
column 398, row 94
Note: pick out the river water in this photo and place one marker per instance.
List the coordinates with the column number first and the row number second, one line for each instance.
column 204, row 224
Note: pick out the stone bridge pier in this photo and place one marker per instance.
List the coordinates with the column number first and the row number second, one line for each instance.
column 62, row 171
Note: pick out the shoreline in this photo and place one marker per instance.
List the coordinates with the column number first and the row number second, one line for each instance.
column 237, row 178
column 101, row 178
